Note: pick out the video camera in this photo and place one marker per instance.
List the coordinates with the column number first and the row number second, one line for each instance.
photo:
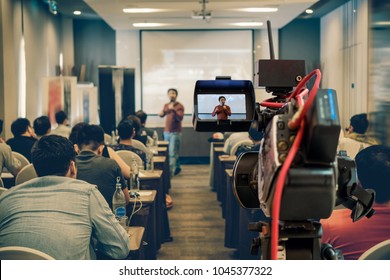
column 296, row 179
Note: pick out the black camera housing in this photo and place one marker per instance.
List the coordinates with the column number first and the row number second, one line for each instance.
column 207, row 91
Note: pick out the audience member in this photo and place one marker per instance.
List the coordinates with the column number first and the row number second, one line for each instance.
column 137, row 127
column 353, row 239
column 62, row 128
column 93, row 167
column 42, row 126
column 7, row 160
column 144, row 130
column 255, row 136
column 126, row 132
column 108, row 152
column 57, row 214
column 174, row 113
column 24, row 137
column 355, row 139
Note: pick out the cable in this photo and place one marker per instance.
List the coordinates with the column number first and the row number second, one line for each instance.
column 297, row 122
column 135, row 211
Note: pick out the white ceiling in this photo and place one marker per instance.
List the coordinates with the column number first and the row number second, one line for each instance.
column 178, row 14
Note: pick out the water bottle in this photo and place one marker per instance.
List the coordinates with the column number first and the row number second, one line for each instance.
column 155, row 142
column 149, row 158
column 113, row 138
column 119, row 201
column 134, row 180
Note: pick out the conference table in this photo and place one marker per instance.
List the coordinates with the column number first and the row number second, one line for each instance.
column 145, row 217
column 153, row 180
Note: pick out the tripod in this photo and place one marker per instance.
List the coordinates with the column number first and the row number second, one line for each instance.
column 298, row 240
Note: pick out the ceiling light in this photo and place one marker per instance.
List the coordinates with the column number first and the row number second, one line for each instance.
column 141, row 10
column 148, row 24
column 248, row 24
column 77, row 13
column 309, row 11
column 259, row 10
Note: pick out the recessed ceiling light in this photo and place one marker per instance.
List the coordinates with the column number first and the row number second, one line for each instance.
column 248, row 24
column 309, row 11
column 148, row 24
column 77, row 13
column 141, row 10
column 259, row 10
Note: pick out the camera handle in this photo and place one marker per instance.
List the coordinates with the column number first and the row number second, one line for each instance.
column 299, row 240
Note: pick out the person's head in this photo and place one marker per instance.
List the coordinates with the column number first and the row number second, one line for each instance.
column 54, row 155
column 254, row 133
column 142, row 116
column 61, row 117
column 21, row 127
column 358, row 124
column 74, row 135
column 42, row 125
column 91, row 137
column 172, row 94
column 126, row 129
column 136, row 123
column 222, row 100
column 373, row 169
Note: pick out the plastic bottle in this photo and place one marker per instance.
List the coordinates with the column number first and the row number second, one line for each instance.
column 113, row 138
column 134, row 182
column 155, row 141
column 119, row 201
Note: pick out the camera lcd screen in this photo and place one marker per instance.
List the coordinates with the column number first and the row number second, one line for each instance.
column 208, row 102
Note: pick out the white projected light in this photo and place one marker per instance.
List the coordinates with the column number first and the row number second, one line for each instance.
column 182, row 58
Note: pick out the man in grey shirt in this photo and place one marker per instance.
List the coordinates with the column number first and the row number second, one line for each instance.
column 58, row 214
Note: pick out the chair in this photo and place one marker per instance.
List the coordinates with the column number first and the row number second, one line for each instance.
column 381, row 251
column 139, row 145
column 238, row 144
column 22, row 253
column 128, row 156
column 27, row 173
column 107, row 139
column 23, row 160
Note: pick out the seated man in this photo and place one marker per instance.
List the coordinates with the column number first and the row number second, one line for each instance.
column 24, row 137
column 126, row 132
column 355, row 138
column 62, row 128
column 57, row 214
column 7, row 160
column 353, row 239
column 93, row 167
column 42, row 126
column 137, row 127
column 144, row 130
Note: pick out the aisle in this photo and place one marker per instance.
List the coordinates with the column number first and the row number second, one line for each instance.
column 196, row 222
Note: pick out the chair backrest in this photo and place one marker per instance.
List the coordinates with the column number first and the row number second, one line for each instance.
column 128, row 156
column 107, row 139
column 27, row 173
column 381, row 251
column 23, row 160
column 22, row 253
column 238, row 144
column 139, row 145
